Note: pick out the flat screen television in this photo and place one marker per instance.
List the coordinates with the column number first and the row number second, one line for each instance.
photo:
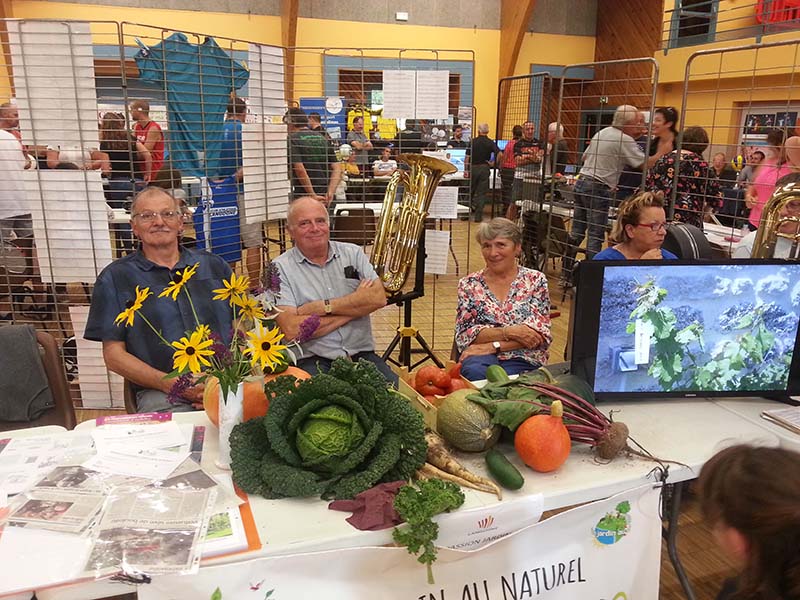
column 647, row 329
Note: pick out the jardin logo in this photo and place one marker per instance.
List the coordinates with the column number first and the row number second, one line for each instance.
column 486, row 523
column 614, row 525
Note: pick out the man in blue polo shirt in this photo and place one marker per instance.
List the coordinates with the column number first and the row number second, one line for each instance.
column 333, row 280
column 136, row 352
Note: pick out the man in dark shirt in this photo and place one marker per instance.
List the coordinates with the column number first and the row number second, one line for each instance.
column 409, row 141
column 136, row 352
column 528, row 154
column 314, row 170
column 457, row 141
column 480, row 163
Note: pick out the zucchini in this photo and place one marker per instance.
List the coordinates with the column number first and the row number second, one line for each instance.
column 503, row 471
column 496, row 374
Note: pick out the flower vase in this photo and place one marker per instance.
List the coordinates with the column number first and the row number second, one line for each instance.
column 230, row 413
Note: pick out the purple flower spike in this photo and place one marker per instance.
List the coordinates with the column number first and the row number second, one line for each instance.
column 272, row 278
column 307, row 328
column 181, row 384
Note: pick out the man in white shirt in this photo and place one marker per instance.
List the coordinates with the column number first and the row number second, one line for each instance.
column 610, row 150
column 15, row 216
column 385, row 165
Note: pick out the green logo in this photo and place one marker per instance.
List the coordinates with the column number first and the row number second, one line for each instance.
column 614, row 525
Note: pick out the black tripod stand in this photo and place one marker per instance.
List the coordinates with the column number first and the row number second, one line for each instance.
column 406, row 332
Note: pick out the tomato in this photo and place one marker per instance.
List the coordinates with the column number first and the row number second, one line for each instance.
column 431, row 390
column 432, row 376
column 454, row 371
column 458, row 384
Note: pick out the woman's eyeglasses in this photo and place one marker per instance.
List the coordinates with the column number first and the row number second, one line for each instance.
column 166, row 215
column 654, row 227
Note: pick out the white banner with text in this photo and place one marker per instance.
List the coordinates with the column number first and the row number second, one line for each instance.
column 605, row 550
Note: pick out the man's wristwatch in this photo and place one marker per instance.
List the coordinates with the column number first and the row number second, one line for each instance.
column 496, row 346
column 328, row 307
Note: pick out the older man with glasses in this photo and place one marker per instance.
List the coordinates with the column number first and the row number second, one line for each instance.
column 136, row 352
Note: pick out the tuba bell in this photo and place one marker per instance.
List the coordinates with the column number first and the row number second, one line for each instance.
column 776, row 224
column 401, row 223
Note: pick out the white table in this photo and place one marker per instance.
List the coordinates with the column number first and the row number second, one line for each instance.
column 725, row 237
column 751, row 409
column 688, row 431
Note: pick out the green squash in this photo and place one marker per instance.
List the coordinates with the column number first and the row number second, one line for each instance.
column 465, row 425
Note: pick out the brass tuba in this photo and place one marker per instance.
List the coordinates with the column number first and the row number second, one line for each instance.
column 774, row 219
column 401, row 223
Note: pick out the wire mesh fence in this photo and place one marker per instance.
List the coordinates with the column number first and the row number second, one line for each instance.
column 101, row 110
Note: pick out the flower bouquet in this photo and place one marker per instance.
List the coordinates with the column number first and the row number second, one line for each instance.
column 201, row 356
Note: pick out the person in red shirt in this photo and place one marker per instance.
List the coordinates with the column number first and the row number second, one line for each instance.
column 148, row 133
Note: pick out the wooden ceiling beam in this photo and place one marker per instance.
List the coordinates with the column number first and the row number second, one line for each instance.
column 514, row 18
column 289, row 10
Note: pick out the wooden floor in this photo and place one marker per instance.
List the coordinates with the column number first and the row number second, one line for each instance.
column 434, row 315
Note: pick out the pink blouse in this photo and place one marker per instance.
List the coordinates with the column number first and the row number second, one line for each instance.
column 767, row 174
column 528, row 303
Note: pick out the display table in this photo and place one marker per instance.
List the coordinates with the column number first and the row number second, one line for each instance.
column 687, row 431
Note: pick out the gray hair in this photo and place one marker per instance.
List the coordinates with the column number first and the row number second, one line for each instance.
column 295, row 204
column 499, row 227
column 623, row 115
column 152, row 191
column 483, row 128
column 556, row 127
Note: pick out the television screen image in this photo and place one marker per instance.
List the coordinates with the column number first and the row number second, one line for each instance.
column 457, row 157
column 689, row 329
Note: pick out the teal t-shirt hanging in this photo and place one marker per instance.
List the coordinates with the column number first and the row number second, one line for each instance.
column 198, row 80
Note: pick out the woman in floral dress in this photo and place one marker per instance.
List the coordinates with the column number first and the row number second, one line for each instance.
column 698, row 186
column 503, row 314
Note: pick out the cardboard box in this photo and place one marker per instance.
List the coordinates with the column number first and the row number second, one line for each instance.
column 428, row 410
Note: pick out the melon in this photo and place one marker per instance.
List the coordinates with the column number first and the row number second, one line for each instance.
column 465, row 425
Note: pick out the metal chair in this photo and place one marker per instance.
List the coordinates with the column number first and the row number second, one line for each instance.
column 63, row 413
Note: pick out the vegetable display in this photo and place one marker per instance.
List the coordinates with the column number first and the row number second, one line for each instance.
column 542, row 441
column 512, row 402
column 433, row 382
column 464, row 424
column 442, row 465
column 417, row 506
column 333, row 435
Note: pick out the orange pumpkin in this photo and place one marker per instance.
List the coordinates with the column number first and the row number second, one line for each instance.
column 542, row 441
column 255, row 401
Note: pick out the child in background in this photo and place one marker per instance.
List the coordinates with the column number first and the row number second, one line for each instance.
column 751, row 498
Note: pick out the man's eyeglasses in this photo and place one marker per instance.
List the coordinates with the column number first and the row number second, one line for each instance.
column 654, row 227
column 166, row 215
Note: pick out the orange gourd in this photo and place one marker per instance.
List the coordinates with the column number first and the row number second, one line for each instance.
column 542, row 441
column 255, row 401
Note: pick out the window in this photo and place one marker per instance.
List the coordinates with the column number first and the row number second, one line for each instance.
column 693, row 22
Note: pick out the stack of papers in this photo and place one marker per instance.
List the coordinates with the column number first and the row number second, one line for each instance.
column 152, row 451
column 788, row 417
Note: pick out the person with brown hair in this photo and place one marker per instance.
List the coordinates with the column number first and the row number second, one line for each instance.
column 639, row 230
column 751, row 498
column 698, row 186
column 149, row 133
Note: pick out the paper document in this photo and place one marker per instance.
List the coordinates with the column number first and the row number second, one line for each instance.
column 152, row 463
column 788, row 418
column 444, row 204
column 437, row 245
column 145, row 436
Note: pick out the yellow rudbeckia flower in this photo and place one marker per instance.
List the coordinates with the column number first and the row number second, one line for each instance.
column 264, row 346
column 236, row 286
column 204, row 331
column 191, row 353
column 178, row 281
column 131, row 307
column 249, row 307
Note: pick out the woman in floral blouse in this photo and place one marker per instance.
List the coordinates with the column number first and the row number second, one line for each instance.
column 503, row 314
column 698, row 186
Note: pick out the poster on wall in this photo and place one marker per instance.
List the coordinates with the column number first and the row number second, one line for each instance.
column 331, row 113
column 758, row 121
column 607, row 549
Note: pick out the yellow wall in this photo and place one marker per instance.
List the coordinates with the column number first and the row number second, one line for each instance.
column 548, row 49
column 253, row 28
column 320, row 33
